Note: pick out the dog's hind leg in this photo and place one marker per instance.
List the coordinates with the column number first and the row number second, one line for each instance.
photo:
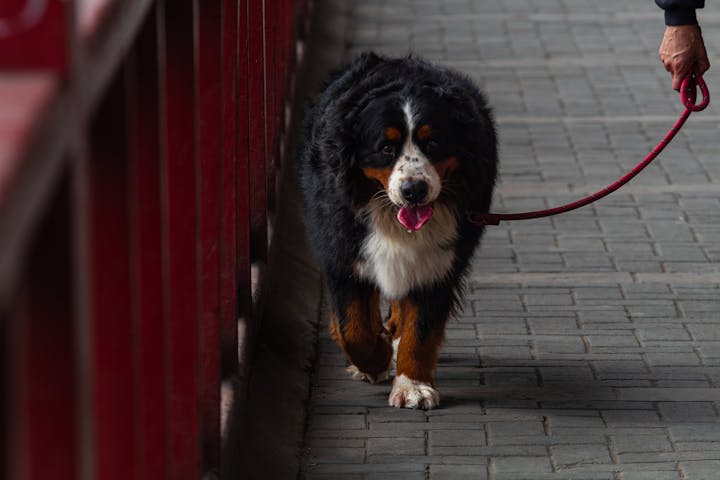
column 357, row 327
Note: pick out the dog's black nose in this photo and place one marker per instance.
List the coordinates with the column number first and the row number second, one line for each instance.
column 414, row 191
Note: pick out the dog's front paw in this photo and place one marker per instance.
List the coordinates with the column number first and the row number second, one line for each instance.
column 410, row 393
column 357, row 374
column 380, row 362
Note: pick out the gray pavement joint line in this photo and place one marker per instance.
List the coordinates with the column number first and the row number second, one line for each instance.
column 662, row 394
column 595, row 17
column 554, row 119
column 554, row 189
column 588, row 60
column 592, row 278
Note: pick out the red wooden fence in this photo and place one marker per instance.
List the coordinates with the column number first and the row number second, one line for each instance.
column 138, row 146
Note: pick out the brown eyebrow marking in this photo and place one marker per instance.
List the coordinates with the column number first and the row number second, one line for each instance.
column 392, row 133
column 423, row 132
column 382, row 175
column 446, row 167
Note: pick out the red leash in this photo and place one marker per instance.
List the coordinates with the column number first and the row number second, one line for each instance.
column 688, row 96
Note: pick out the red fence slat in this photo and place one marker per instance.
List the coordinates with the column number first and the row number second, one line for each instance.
column 257, row 118
column 110, row 312
column 271, row 37
column 43, row 342
column 243, row 159
column 147, row 256
column 209, row 145
column 180, row 175
column 229, row 196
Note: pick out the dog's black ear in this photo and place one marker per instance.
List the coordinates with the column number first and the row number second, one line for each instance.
column 344, row 89
column 467, row 114
column 365, row 61
column 341, row 102
column 352, row 73
column 462, row 105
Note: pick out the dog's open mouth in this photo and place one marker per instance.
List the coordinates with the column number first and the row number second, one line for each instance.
column 413, row 217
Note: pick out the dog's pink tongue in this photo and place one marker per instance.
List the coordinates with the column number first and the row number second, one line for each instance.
column 413, row 218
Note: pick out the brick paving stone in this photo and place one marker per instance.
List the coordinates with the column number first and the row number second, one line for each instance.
column 574, row 455
column 357, row 443
column 396, row 469
column 708, row 432
column 698, row 446
column 655, row 333
column 336, row 455
column 702, row 412
column 631, row 418
column 641, row 443
column 338, row 422
column 395, row 476
column 589, row 345
column 452, row 438
column 652, row 475
column 705, row 331
column 700, row 470
column 672, row 358
column 524, row 464
column 309, row 475
column 457, row 472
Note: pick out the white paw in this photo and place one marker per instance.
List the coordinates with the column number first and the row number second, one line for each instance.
column 356, row 374
column 410, row 393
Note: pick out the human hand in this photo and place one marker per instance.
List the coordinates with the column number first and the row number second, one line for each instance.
column 682, row 50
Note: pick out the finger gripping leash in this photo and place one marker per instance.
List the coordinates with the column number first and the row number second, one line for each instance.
column 688, row 97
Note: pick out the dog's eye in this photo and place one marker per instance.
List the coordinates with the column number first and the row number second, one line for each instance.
column 432, row 145
column 388, row 150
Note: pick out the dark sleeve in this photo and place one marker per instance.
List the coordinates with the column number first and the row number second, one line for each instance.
column 680, row 12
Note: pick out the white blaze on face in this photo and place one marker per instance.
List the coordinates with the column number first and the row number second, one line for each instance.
column 412, row 164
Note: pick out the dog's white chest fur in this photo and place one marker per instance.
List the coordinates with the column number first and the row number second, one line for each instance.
column 398, row 261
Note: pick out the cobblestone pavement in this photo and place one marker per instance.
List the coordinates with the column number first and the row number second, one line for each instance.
column 589, row 347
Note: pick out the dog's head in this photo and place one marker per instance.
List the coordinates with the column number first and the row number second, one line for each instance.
column 411, row 144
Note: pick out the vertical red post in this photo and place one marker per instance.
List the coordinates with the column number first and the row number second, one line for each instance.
column 257, row 140
column 280, row 14
column 271, row 73
column 110, row 313
column 229, row 200
column 209, row 148
column 288, row 48
column 180, row 174
column 149, row 307
column 43, row 424
column 244, row 171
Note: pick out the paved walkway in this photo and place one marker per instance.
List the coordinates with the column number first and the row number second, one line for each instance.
column 589, row 347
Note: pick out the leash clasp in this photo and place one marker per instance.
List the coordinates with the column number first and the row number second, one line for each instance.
column 688, row 92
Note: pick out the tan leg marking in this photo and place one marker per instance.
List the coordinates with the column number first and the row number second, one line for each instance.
column 398, row 308
column 416, row 361
column 364, row 339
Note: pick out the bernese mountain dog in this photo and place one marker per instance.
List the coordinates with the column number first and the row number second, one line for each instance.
column 395, row 153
